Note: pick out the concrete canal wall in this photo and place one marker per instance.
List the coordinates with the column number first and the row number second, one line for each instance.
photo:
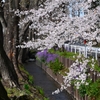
column 58, row 78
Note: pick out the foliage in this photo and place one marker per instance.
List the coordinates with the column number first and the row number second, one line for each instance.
column 82, row 90
column 51, row 50
column 64, row 71
column 16, row 92
column 66, row 54
column 27, row 88
column 46, row 98
column 56, row 66
column 31, row 80
column 93, row 89
column 83, row 87
column 30, row 77
column 40, row 90
column 11, row 91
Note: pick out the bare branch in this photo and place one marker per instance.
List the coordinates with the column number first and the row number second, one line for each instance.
column 26, row 28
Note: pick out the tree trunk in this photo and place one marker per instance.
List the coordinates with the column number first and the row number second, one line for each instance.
column 3, row 93
column 6, row 66
column 11, row 39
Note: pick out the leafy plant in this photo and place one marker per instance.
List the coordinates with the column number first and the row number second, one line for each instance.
column 64, row 71
column 51, row 51
column 82, row 90
column 40, row 90
column 46, row 98
column 26, row 87
column 31, row 79
column 93, row 89
column 56, row 66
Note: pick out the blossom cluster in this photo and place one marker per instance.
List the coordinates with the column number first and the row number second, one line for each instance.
column 54, row 22
column 78, row 74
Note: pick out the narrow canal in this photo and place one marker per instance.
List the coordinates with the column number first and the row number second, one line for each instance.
column 43, row 80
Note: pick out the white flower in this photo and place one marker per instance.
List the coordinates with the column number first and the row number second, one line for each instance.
column 92, row 59
column 73, row 56
column 56, row 91
column 86, row 83
column 68, row 85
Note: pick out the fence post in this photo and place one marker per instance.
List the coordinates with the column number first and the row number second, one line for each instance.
column 86, row 53
column 96, row 54
column 75, row 49
column 79, row 50
column 71, row 48
column 65, row 46
column 68, row 47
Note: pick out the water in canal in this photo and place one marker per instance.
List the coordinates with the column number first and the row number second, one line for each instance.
column 42, row 79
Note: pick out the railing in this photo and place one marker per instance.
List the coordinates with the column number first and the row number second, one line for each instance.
column 85, row 50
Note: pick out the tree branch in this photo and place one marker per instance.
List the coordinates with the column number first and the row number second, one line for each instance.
column 25, row 29
column 2, row 19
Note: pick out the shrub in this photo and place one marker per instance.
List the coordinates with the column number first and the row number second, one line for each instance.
column 93, row 90
column 56, row 66
column 46, row 57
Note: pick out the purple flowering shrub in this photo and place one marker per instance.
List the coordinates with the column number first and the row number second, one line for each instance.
column 50, row 59
column 46, row 57
column 42, row 55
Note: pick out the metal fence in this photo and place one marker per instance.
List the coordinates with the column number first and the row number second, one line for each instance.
column 85, row 50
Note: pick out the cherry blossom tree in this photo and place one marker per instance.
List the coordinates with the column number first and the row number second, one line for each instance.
column 53, row 24
column 56, row 21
